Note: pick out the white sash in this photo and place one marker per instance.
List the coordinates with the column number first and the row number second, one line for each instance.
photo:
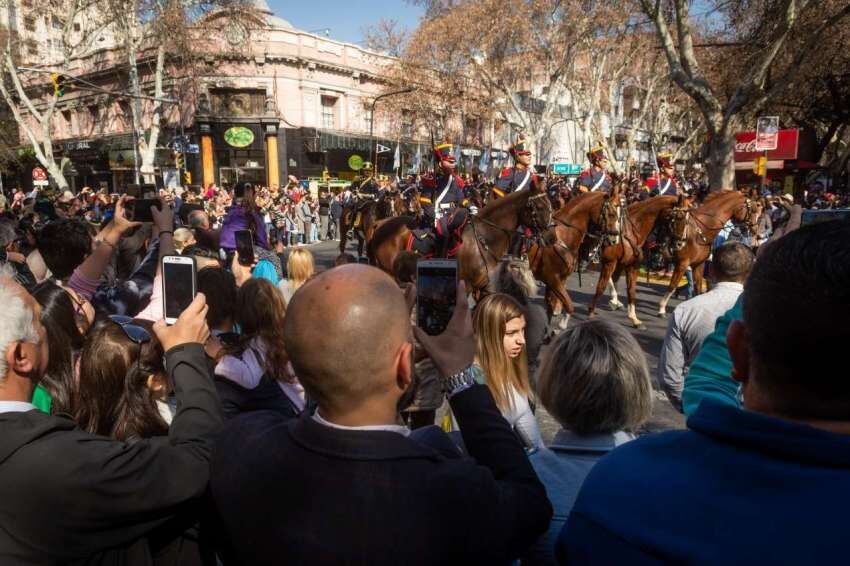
column 524, row 181
column 667, row 186
column 437, row 212
column 599, row 182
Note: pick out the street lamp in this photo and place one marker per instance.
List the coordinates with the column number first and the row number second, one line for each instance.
column 374, row 151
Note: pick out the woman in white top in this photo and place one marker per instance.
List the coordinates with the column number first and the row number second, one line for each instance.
column 500, row 351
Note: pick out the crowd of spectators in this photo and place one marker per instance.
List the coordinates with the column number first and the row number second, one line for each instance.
column 288, row 415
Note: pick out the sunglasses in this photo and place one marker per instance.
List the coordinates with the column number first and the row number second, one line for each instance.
column 138, row 334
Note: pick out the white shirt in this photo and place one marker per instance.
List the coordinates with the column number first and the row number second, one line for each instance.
column 691, row 322
column 402, row 430
column 16, row 407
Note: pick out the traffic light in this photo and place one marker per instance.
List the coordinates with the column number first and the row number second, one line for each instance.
column 187, row 177
column 60, row 84
column 760, row 166
column 179, row 160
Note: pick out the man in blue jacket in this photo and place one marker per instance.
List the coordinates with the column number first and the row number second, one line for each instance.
column 766, row 483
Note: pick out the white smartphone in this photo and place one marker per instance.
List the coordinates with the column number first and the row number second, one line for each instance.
column 436, row 294
column 179, row 285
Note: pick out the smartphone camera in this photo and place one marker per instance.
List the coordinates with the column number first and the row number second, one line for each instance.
column 436, row 293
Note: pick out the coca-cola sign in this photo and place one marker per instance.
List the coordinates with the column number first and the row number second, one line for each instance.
column 786, row 146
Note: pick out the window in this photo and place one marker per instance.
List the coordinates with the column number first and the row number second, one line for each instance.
column 32, row 47
column 406, row 124
column 29, row 23
column 58, row 23
column 368, row 118
column 76, row 26
column 328, row 117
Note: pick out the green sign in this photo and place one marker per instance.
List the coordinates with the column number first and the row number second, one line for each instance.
column 239, row 136
column 566, row 169
column 355, row 162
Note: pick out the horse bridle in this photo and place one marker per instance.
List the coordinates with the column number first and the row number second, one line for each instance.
column 679, row 242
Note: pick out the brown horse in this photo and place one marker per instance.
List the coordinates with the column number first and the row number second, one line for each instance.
column 387, row 205
column 627, row 254
column 694, row 231
column 486, row 237
column 553, row 264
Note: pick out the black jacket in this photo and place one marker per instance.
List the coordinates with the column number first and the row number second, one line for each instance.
column 267, row 396
column 69, row 497
column 297, row 492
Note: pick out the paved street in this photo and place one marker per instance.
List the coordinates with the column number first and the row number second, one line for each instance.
column 650, row 337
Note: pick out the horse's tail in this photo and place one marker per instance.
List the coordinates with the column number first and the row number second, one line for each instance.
column 387, row 229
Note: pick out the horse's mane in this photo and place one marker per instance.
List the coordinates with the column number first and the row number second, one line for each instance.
column 576, row 202
column 717, row 195
column 389, row 228
column 495, row 206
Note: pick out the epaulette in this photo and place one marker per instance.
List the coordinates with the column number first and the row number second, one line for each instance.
column 459, row 182
column 506, row 172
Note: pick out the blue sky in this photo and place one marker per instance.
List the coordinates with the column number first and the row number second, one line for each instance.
column 345, row 18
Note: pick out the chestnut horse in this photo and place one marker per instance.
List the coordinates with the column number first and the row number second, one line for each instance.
column 387, row 205
column 694, row 231
column 486, row 236
column 627, row 255
column 553, row 264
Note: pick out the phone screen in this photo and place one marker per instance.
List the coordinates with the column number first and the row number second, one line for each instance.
column 178, row 287
column 244, row 246
column 142, row 209
column 436, row 292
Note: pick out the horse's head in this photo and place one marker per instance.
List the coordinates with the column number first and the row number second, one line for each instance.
column 747, row 214
column 537, row 213
column 611, row 213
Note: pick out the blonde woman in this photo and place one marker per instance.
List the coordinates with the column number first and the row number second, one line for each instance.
column 299, row 268
column 182, row 238
column 499, row 324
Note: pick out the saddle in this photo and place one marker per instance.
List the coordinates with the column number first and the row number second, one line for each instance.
column 444, row 241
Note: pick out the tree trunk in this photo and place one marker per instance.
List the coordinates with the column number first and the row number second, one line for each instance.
column 721, row 160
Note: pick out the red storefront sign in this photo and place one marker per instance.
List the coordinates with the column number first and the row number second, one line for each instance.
column 786, row 147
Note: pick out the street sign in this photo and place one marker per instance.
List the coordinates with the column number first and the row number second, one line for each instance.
column 193, row 148
column 767, row 133
column 355, row 162
column 566, row 169
column 381, row 148
column 39, row 174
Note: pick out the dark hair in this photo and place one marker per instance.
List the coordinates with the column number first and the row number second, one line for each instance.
column 113, row 398
column 64, row 340
column 195, row 250
column 64, row 244
column 795, row 306
column 404, row 267
column 219, row 287
column 732, row 262
column 260, row 313
column 249, row 205
column 343, row 259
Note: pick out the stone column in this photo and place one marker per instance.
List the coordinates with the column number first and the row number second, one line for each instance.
column 207, row 159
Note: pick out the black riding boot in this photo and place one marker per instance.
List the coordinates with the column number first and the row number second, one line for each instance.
column 516, row 245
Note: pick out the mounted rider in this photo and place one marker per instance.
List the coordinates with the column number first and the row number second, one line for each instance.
column 364, row 189
column 666, row 184
column 518, row 177
column 440, row 195
column 595, row 177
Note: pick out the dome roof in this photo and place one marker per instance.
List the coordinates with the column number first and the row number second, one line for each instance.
column 262, row 7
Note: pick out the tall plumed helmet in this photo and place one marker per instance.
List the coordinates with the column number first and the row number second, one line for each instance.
column 444, row 151
column 519, row 147
column 597, row 154
column 664, row 159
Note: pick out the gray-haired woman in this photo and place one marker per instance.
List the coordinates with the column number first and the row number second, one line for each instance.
column 595, row 382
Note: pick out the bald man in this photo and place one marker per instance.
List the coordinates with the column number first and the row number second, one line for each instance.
column 347, row 483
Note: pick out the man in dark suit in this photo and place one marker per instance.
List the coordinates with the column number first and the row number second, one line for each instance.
column 348, row 484
column 72, row 497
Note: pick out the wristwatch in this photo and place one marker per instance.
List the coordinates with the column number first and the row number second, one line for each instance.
column 463, row 379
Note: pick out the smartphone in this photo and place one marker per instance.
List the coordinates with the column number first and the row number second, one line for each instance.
column 179, row 285
column 817, row 216
column 436, row 293
column 142, row 209
column 244, row 247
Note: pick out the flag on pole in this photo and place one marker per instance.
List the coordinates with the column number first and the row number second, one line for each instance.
column 417, row 161
column 397, row 157
column 484, row 162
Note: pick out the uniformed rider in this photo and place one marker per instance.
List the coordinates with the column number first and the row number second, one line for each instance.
column 518, row 177
column 365, row 188
column 444, row 191
column 595, row 177
column 666, row 184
